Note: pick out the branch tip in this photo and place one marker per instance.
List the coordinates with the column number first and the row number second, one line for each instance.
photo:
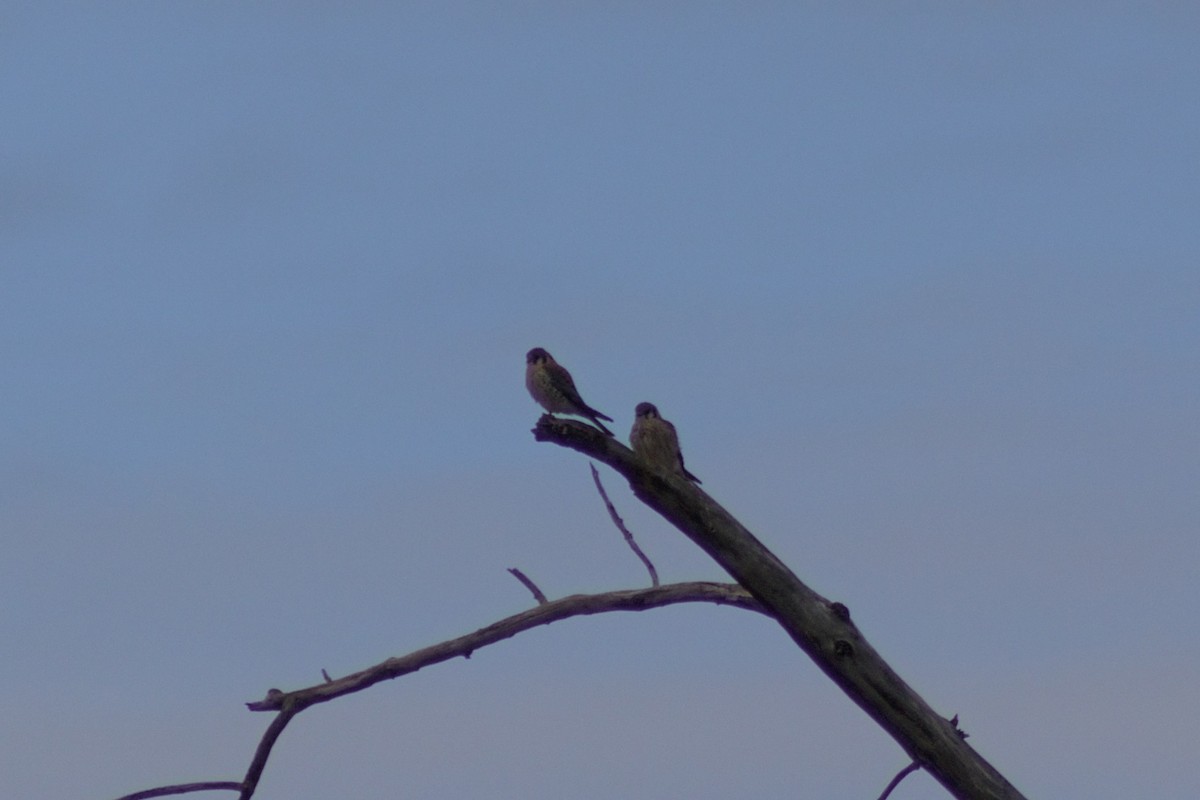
column 537, row 593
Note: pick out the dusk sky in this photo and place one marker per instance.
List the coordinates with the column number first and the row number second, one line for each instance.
column 919, row 285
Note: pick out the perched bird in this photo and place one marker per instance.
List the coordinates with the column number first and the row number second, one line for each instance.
column 552, row 387
column 654, row 439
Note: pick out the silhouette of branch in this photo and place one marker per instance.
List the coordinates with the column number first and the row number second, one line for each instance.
column 263, row 751
column 289, row 704
column 620, row 523
column 572, row 606
column 822, row 629
column 184, row 788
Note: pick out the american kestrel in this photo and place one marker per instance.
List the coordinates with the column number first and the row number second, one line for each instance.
column 552, row 387
column 654, row 439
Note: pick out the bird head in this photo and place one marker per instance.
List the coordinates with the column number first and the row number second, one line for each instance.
column 646, row 410
column 537, row 356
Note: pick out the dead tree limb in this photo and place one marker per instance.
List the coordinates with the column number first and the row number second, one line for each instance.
column 821, row 628
column 289, row 704
column 184, row 788
column 543, row 614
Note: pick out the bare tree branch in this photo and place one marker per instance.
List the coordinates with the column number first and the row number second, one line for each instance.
column 914, row 766
column 821, row 628
column 620, row 523
column 184, row 788
column 288, row 710
column 573, row 606
column 289, row 704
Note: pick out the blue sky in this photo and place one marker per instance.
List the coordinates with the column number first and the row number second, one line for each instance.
column 917, row 285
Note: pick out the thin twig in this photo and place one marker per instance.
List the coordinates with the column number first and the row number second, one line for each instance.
column 620, row 523
column 184, row 788
column 901, row 775
column 530, row 585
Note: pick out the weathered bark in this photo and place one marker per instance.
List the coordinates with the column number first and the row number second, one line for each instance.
column 821, row 628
